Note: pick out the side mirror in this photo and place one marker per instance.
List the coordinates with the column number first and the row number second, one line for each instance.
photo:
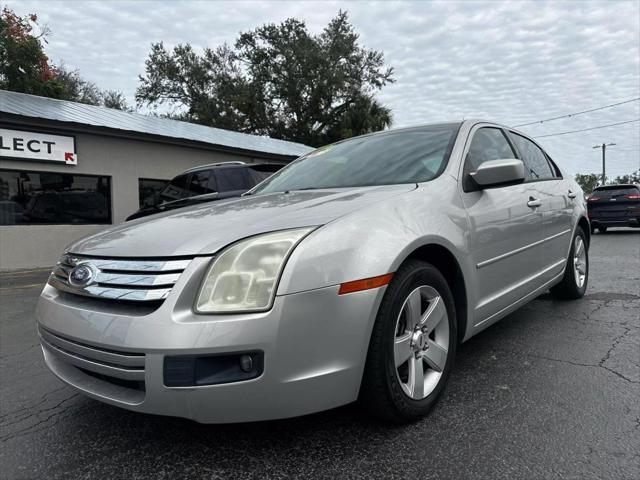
column 498, row 172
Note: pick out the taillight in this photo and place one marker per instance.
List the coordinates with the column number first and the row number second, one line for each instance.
column 633, row 197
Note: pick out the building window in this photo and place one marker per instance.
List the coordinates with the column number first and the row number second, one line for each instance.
column 149, row 191
column 29, row 198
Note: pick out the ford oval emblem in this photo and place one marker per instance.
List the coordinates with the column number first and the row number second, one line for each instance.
column 81, row 276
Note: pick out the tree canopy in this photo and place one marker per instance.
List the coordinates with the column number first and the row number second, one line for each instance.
column 277, row 80
column 589, row 181
column 25, row 68
column 633, row 177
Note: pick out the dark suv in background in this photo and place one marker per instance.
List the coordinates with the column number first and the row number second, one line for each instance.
column 614, row 206
column 207, row 183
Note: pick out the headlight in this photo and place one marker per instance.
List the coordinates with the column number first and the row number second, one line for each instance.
column 245, row 275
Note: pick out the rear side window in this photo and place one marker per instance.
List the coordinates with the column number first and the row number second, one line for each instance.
column 536, row 165
column 200, row 183
column 176, row 189
column 229, row 179
column 488, row 143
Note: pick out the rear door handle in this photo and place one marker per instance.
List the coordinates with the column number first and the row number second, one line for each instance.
column 534, row 202
column 571, row 195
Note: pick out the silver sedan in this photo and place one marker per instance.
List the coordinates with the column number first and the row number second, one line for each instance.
column 351, row 274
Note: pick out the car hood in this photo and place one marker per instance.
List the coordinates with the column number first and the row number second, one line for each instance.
column 205, row 229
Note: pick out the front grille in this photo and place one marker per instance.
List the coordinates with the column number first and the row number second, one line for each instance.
column 119, row 279
column 115, row 366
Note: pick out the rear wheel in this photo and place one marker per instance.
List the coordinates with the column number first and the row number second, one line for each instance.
column 576, row 273
column 412, row 345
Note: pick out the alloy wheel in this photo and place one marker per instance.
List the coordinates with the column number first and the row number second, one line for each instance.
column 421, row 342
column 579, row 261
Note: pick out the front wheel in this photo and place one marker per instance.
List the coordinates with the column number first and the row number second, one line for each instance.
column 576, row 273
column 412, row 347
column 602, row 229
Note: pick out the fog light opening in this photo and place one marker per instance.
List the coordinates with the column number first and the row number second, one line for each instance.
column 246, row 363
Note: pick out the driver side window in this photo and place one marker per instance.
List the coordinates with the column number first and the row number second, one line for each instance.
column 488, row 143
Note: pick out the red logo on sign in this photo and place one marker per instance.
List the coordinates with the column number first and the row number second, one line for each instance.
column 68, row 157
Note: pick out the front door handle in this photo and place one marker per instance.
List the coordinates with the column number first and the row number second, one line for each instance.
column 534, row 202
column 571, row 195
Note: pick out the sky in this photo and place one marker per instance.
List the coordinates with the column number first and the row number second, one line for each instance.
column 512, row 62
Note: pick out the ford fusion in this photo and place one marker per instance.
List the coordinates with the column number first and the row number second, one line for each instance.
column 351, row 274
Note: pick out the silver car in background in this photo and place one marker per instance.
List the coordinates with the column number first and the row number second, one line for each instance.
column 353, row 273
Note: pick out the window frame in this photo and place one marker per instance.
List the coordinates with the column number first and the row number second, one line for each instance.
column 557, row 174
column 467, row 184
column 109, row 220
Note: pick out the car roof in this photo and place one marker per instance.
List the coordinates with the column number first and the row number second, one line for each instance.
column 233, row 164
column 454, row 123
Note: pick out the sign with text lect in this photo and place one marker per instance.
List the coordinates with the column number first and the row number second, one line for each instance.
column 37, row 146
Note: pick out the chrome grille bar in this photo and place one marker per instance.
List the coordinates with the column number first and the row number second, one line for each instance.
column 120, row 279
column 127, row 265
column 130, row 279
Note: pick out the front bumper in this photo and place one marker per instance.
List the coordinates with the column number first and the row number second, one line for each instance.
column 314, row 343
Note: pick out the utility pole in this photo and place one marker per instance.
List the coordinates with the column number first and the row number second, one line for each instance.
column 604, row 149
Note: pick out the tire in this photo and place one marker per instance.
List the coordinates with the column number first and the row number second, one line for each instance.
column 386, row 389
column 593, row 229
column 569, row 287
column 602, row 229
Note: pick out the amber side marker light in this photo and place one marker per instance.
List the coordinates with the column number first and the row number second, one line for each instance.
column 365, row 284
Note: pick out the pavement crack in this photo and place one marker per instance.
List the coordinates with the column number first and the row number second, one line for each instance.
column 607, row 356
column 42, row 399
column 31, row 428
column 592, row 365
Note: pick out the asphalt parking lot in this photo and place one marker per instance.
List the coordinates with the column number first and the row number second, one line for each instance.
column 552, row 391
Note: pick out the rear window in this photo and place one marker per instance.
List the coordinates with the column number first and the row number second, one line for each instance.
column 615, row 191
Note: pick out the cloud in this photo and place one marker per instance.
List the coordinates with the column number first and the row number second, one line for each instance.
column 511, row 62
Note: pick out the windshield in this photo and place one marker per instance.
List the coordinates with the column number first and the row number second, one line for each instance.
column 405, row 156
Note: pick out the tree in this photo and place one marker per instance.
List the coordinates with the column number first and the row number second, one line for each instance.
column 115, row 99
column 633, row 177
column 24, row 67
column 277, row 80
column 587, row 181
column 77, row 89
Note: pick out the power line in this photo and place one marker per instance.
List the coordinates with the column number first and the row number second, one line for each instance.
column 578, row 113
column 587, row 129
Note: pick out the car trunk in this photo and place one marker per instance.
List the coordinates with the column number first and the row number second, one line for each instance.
column 614, row 203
